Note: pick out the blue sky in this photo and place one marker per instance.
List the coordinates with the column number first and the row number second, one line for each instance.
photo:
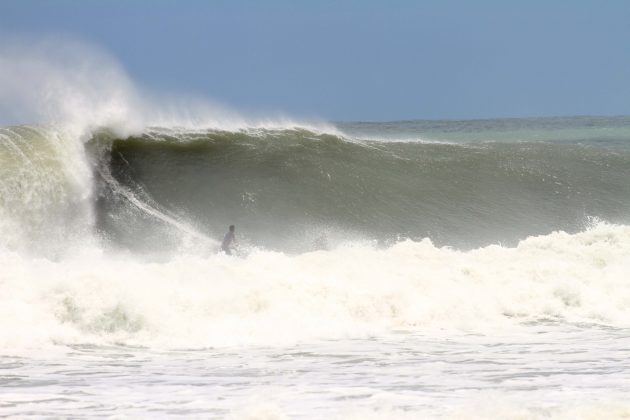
column 360, row 60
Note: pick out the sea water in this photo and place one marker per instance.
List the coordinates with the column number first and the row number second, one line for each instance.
column 414, row 269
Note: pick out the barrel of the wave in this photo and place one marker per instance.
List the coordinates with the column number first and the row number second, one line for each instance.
column 288, row 188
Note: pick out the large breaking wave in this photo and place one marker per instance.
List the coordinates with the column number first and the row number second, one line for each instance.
column 109, row 228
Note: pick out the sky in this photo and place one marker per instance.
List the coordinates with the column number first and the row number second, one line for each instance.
column 359, row 60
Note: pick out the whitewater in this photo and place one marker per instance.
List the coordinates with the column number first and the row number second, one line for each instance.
column 392, row 270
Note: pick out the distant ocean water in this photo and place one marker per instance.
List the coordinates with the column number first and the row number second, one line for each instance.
column 446, row 269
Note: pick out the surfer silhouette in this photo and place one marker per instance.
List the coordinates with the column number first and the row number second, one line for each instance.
column 229, row 241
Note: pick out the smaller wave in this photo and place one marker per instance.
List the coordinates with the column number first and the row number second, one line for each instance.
column 607, row 132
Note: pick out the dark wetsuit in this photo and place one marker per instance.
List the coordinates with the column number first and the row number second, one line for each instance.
column 227, row 241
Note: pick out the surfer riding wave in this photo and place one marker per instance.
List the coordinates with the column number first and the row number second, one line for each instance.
column 229, row 241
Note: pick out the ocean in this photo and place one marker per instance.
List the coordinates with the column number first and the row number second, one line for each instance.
column 385, row 270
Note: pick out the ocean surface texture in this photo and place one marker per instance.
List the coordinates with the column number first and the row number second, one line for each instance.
column 400, row 270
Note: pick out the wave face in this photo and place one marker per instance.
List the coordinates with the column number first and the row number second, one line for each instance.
column 295, row 190
column 347, row 231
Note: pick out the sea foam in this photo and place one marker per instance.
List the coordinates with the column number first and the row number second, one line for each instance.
column 355, row 290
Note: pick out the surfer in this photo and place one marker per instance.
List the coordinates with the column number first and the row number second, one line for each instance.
column 229, row 241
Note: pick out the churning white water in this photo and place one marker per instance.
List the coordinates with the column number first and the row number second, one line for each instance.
column 536, row 331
